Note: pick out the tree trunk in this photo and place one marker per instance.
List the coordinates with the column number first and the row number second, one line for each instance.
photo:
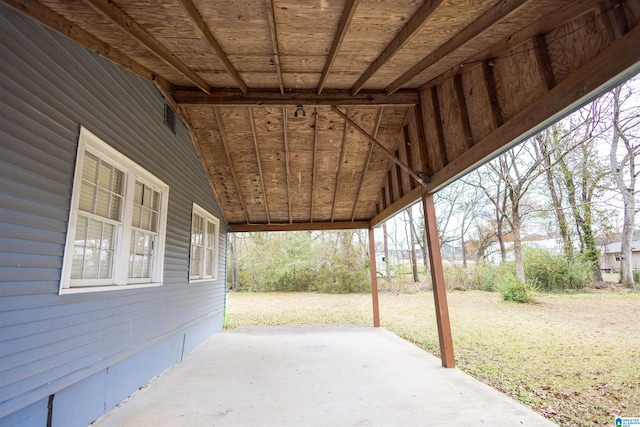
column 619, row 168
column 386, row 249
column 464, row 248
column 235, row 273
column 516, row 224
column 412, row 248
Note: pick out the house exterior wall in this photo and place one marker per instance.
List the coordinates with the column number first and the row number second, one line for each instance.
column 85, row 352
column 609, row 263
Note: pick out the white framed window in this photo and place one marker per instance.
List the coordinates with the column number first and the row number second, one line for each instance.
column 203, row 261
column 117, row 222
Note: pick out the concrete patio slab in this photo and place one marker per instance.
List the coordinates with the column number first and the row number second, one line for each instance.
column 316, row 376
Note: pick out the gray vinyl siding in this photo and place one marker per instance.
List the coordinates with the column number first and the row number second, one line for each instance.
column 49, row 87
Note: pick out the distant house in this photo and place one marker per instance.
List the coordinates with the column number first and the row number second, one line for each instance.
column 610, row 256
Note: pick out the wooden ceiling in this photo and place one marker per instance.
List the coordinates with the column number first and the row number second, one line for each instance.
column 332, row 113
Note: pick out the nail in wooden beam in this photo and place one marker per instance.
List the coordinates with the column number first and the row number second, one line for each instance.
column 498, row 12
column 437, row 279
column 112, row 12
column 259, row 159
column 225, row 143
column 347, row 15
column 544, row 62
column 374, row 279
column 462, row 106
column 400, row 40
column 196, row 19
column 274, row 43
column 386, row 152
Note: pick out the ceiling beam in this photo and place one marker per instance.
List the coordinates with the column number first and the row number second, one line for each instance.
column 498, row 12
column 273, row 30
column 259, row 158
column 298, row 226
column 377, row 143
column 307, row 98
column 401, row 39
column 366, row 163
column 117, row 16
column 225, row 143
column 56, row 22
column 343, row 26
column 313, row 161
column 342, row 150
column 196, row 19
column 285, row 125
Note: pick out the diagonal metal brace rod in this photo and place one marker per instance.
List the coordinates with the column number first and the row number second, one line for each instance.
column 375, row 142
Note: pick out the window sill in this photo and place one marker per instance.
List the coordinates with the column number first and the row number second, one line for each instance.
column 87, row 289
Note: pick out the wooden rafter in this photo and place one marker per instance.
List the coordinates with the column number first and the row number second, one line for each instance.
column 366, row 163
column 490, row 83
column 230, row 98
column 271, row 14
column 377, row 143
column 342, row 150
column 225, row 143
column 543, row 25
column 489, row 18
column 409, row 151
column 313, row 161
column 58, row 23
column 259, row 159
column 544, row 62
column 462, row 106
column 343, row 26
column 399, row 176
column 116, row 15
column 422, row 140
column 437, row 119
column 196, row 19
column 399, row 41
column 286, row 160
column 299, row 226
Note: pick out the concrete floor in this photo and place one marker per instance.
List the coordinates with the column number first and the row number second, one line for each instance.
column 316, row 376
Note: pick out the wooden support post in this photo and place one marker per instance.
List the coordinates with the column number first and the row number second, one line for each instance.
column 374, row 279
column 437, row 279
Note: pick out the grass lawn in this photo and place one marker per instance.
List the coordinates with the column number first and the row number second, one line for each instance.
column 573, row 358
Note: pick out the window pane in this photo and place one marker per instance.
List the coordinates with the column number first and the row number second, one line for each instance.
column 195, row 260
column 108, row 234
column 145, row 218
column 102, row 203
column 76, row 264
column 94, row 234
column 87, row 196
column 90, row 167
column 106, row 261
column 154, row 222
column 81, row 230
column 211, row 235
column 209, row 266
column 115, row 207
column 91, row 263
column 104, row 175
column 146, row 198
column 118, row 186
column 136, row 215
column 137, row 195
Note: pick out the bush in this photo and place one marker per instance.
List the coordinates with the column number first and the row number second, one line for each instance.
column 556, row 272
column 514, row 291
column 489, row 278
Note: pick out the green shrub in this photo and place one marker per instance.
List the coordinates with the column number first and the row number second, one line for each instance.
column 488, row 277
column 514, row 291
column 456, row 277
column 556, row 272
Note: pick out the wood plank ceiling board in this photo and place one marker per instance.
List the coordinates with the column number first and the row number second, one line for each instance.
column 305, row 34
column 478, row 65
column 372, row 28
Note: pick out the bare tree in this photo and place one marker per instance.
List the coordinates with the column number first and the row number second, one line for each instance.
column 623, row 167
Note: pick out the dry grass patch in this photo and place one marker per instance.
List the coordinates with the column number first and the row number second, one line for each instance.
column 573, row 358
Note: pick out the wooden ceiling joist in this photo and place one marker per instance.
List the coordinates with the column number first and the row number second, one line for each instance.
column 377, row 143
column 259, row 159
column 229, row 98
column 273, row 30
column 196, row 19
column 287, row 160
column 415, row 23
column 225, row 143
column 492, row 16
column 342, row 151
column 366, row 163
column 117, row 16
column 343, row 26
column 313, row 162
column 299, row 226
